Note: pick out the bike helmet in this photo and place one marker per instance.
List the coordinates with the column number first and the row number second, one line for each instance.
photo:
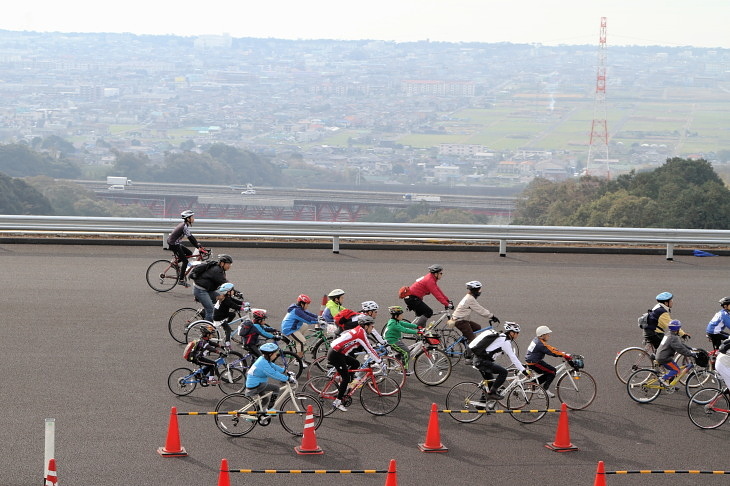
column 542, row 330
column 511, row 326
column 364, row 320
column 664, row 297
column 225, row 287
column 395, row 309
column 336, row 293
column 268, row 348
column 674, row 325
column 369, row 305
column 301, row 298
column 724, row 301
column 223, row 258
column 186, row 214
column 259, row 315
column 435, row 269
column 474, row 285
column 206, row 330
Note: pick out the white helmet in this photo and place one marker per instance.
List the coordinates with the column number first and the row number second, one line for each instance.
column 369, row 305
column 542, row 330
column 511, row 326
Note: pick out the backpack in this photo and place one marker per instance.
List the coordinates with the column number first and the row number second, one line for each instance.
column 647, row 321
column 479, row 346
column 344, row 318
column 199, row 270
column 246, row 331
column 189, row 352
column 404, row 292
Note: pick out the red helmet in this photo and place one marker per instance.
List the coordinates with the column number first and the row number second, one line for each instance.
column 303, row 299
column 259, row 315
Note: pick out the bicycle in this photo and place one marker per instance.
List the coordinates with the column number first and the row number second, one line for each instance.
column 380, row 397
column 644, row 385
column 390, row 366
column 181, row 319
column 182, row 381
column 245, row 412
column 522, row 393
column 709, row 408
column 429, row 362
column 455, row 348
column 573, row 386
column 164, row 275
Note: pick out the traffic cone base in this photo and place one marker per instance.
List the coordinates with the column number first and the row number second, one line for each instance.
column 309, row 438
column 172, row 447
column 51, row 477
column 224, row 478
column 562, row 435
column 391, row 479
column 433, row 434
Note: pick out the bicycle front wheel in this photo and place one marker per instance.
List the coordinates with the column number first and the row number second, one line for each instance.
column 193, row 331
column 162, row 275
column 182, row 381
column 699, row 378
column 180, row 320
column 380, row 398
column 432, row 367
column 644, row 386
column 232, row 381
column 238, row 424
column 294, row 422
column 526, row 400
column 629, row 360
column 576, row 389
column 319, row 351
column 464, row 397
column 708, row 408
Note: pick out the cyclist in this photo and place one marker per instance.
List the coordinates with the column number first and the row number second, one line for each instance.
column 722, row 363
column 659, row 319
column 228, row 303
column 536, row 351
column 428, row 284
column 339, row 354
column 485, row 346
column 395, row 329
column 296, row 321
column 199, row 355
column 206, row 284
column 257, row 377
column 250, row 330
column 717, row 329
column 174, row 243
column 463, row 311
column 334, row 305
column 670, row 345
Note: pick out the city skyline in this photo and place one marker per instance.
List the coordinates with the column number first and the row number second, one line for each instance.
column 650, row 22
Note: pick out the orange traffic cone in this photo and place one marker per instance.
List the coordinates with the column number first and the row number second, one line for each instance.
column 600, row 475
column 391, row 479
column 433, row 434
column 51, row 478
column 223, row 478
column 309, row 439
column 562, row 435
column 172, row 444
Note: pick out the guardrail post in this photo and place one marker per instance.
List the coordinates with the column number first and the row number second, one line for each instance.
column 670, row 252
column 165, row 246
column 335, row 244
column 502, row 248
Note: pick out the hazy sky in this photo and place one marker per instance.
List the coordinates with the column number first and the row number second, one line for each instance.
column 700, row 23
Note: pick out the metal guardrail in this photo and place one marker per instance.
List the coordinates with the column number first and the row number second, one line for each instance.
column 375, row 231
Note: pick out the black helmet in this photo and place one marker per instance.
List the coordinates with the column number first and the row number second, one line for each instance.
column 724, row 301
column 223, row 258
column 435, row 269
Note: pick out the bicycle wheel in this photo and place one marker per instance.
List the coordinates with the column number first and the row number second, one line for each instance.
column 182, row 381
column 503, row 360
column 629, row 360
column 380, row 398
column 291, row 362
column 643, row 385
column 699, row 378
column 325, row 390
column 162, row 275
column 394, row 369
column 294, row 422
column 320, row 350
column 530, row 396
column 708, row 408
column 432, row 367
column 180, row 320
column 193, row 331
column 576, row 389
column 454, row 346
column 236, row 425
column 232, row 380
column 319, row 367
column 467, row 396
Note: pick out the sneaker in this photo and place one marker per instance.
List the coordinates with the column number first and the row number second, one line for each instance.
column 550, row 394
column 213, row 380
column 495, row 396
column 183, row 283
column 337, row 403
column 409, row 373
column 468, row 361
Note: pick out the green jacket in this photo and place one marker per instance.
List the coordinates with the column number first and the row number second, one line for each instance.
column 396, row 328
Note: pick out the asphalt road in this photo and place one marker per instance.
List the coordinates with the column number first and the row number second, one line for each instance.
column 84, row 341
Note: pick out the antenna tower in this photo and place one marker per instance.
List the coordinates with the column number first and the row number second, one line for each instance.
column 599, row 127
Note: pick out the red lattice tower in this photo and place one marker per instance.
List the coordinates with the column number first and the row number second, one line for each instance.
column 599, row 127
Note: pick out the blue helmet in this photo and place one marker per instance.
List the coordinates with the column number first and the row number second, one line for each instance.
column 674, row 325
column 225, row 287
column 664, row 296
column 268, row 348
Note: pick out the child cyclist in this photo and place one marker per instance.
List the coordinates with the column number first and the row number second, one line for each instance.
column 333, row 305
column 297, row 321
column 394, row 331
column 226, row 308
column 257, row 377
column 534, row 358
column 203, row 347
column 670, row 345
column 250, row 331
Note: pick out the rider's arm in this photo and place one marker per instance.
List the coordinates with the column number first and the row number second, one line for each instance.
column 274, row 371
column 435, row 290
column 264, row 331
column 191, row 238
column 507, row 349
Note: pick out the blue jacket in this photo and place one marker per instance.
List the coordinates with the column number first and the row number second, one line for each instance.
column 295, row 318
column 261, row 370
column 720, row 322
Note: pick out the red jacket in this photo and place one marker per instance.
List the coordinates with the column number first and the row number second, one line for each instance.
column 428, row 285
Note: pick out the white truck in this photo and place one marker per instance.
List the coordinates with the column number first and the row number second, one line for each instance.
column 421, row 197
column 118, row 181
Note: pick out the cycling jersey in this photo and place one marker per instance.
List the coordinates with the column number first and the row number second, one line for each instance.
column 261, row 370
column 181, row 231
column 352, row 338
column 295, row 318
column 500, row 345
column 468, row 305
column 428, row 285
column 331, row 310
column 537, row 350
column 720, row 323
